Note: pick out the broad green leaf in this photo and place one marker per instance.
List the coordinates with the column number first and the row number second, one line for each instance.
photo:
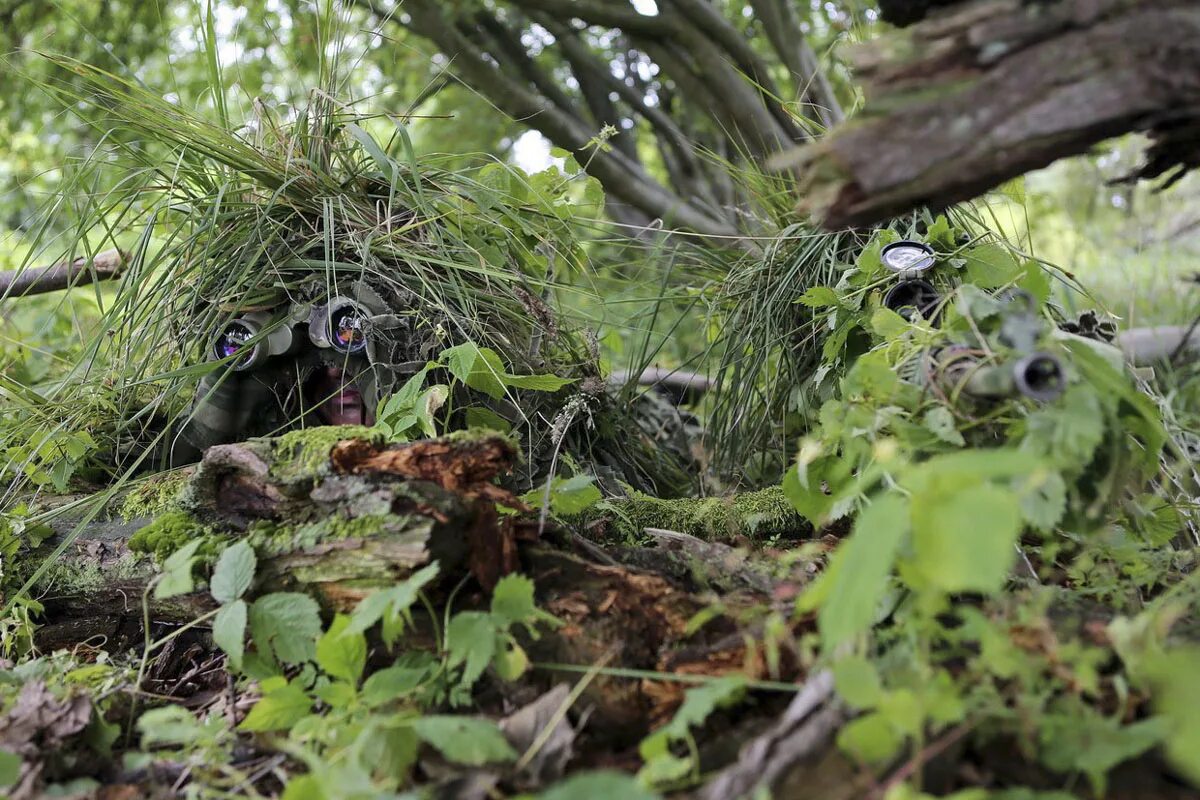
column 889, row 325
column 341, row 654
column 233, row 573
column 538, row 383
column 471, row 641
column 465, row 740
column 697, row 705
column 857, row 577
column 10, row 768
column 857, row 682
column 478, row 367
column 941, row 423
column 169, row 725
column 965, row 541
column 870, row 739
column 176, row 577
column 819, row 297
column 288, row 624
column 229, row 632
column 1043, row 498
column 1176, row 697
column 393, row 683
column 990, row 266
column 599, row 785
column 512, row 600
column 304, row 787
column 278, row 710
column 394, row 601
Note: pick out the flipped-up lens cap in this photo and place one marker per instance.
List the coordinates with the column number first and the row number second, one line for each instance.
column 908, row 259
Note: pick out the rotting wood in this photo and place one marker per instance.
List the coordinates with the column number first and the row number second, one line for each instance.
column 981, row 92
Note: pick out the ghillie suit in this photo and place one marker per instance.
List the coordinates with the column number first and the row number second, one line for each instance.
column 452, row 274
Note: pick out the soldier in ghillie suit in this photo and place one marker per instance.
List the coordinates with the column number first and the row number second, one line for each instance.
column 308, row 275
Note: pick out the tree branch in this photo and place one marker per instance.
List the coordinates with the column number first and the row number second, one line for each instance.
column 622, row 178
column 994, row 89
column 791, row 45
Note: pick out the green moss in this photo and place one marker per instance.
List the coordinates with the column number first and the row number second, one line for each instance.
column 304, row 453
column 172, row 530
column 155, row 497
column 272, row 537
column 75, row 578
column 761, row 515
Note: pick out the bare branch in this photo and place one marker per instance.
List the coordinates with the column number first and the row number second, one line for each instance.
column 80, row 272
column 624, row 179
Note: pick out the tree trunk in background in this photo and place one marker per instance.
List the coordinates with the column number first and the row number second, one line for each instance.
column 984, row 91
column 647, row 103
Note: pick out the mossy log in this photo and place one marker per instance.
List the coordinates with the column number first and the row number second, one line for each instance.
column 981, row 92
column 336, row 518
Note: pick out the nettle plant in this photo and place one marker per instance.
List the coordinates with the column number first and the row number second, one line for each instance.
column 357, row 731
column 971, row 447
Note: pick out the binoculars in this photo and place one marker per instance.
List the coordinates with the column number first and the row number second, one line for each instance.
column 255, row 337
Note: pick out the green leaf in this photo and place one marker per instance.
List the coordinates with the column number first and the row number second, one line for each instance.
column 229, row 632
column 697, row 705
column 599, row 785
column 10, row 768
column 233, row 573
column 888, row 324
column 304, row 787
column 341, row 654
column 990, row 266
column 538, row 383
column 471, row 641
column 481, row 369
column 287, row 624
column 1043, row 498
column 940, row 421
column 478, row 367
column 169, row 725
column 870, row 739
column 394, row 602
column 393, row 683
column 512, row 600
column 465, row 740
column 857, row 578
column 1172, row 675
column 176, row 577
column 278, row 709
column 857, row 682
column 819, row 297
column 965, row 541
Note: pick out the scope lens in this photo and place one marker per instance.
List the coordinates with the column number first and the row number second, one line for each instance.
column 346, row 330
column 232, row 339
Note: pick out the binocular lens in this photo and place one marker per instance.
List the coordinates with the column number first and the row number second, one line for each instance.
column 232, row 339
column 346, row 330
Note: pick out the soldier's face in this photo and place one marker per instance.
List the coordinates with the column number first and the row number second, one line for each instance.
column 340, row 403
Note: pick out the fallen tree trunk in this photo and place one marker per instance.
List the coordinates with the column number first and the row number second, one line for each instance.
column 984, row 91
column 80, row 272
column 337, row 520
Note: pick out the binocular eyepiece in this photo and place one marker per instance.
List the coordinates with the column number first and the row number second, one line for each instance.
column 340, row 324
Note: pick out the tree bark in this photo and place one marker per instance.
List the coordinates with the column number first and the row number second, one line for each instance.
column 984, row 91
column 80, row 272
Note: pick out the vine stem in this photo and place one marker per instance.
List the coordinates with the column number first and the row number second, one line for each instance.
column 932, row 750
